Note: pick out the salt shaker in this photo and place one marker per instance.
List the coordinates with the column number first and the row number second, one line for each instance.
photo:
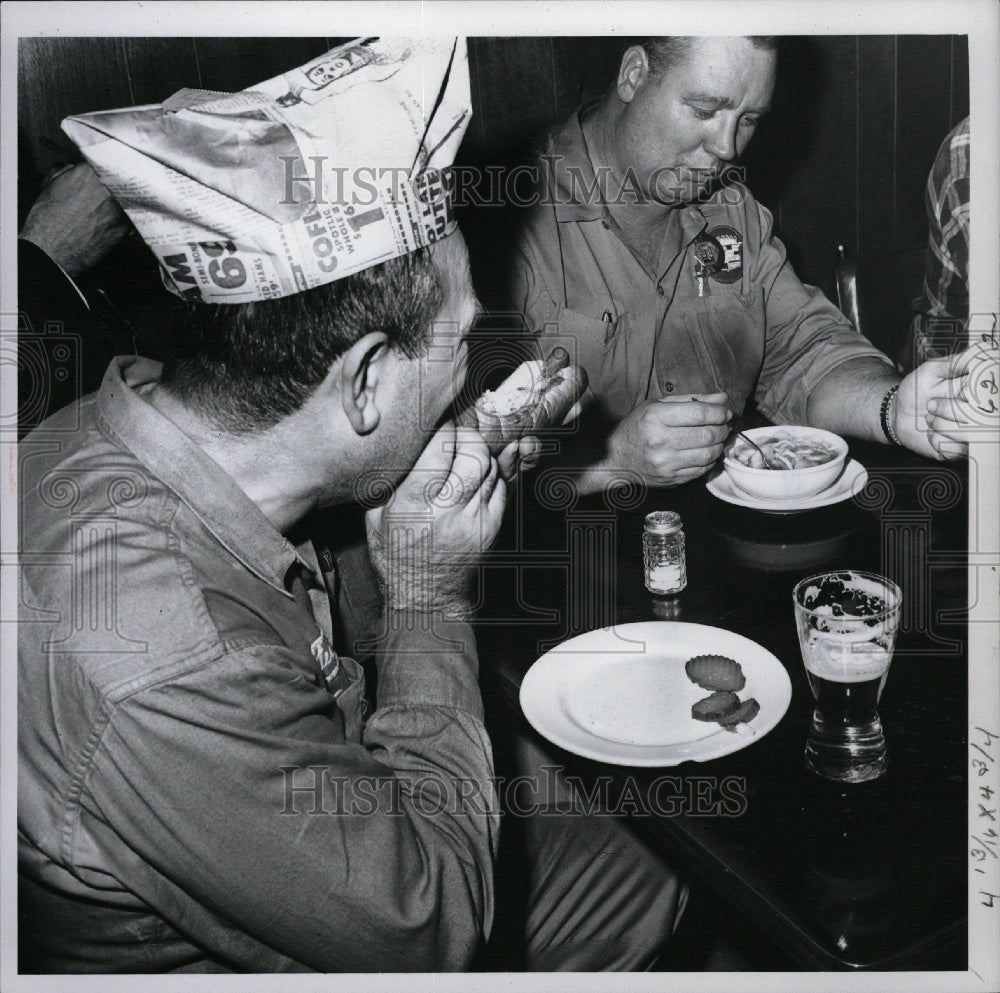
column 663, row 553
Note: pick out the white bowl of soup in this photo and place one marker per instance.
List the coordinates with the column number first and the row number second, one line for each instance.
column 796, row 462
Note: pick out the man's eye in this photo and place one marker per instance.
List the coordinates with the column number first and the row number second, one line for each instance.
column 749, row 122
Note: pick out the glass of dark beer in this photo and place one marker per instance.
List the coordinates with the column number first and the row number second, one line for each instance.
column 847, row 623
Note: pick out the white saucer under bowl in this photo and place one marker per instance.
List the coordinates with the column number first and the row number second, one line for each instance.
column 846, row 485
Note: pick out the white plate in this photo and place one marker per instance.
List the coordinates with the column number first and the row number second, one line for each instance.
column 846, row 485
column 621, row 694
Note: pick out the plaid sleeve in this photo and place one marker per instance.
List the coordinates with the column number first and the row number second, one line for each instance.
column 942, row 309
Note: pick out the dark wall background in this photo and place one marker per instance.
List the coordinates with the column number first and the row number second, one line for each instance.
column 842, row 159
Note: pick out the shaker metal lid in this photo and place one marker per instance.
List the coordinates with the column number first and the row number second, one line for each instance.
column 663, row 522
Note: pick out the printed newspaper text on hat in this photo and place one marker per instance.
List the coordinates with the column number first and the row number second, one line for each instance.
column 306, row 178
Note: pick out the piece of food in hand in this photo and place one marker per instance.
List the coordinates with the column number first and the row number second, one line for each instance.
column 537, row 395
column 563, row 385
column 716, row 707
column 715, row 672
column 746, row 712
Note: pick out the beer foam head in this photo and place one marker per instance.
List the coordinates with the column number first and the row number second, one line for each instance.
column 323, row 171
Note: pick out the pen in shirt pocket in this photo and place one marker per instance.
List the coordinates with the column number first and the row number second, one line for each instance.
column 609, row 321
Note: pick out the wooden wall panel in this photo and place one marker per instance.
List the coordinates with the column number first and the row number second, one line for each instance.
column 923, row 118
column 875, row 169
column 159, row 67
column 231, row 64
column 584, row 68
column 959, row 78
column 273, row 56
column 514, row 96
column 806, row 154
column 523, row 86
column 226, row 63
column 61, row 76
column 474, row 146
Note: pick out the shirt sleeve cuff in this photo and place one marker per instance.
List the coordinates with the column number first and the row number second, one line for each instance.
column 426, row 660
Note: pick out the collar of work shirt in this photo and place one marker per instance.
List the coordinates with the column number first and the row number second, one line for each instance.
column 580, row 198
column 233, row 519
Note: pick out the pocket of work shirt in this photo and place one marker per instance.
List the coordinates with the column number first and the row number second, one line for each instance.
column 714, row 343
column 608, row 351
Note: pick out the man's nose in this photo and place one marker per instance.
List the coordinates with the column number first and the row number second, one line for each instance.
column 721, row 140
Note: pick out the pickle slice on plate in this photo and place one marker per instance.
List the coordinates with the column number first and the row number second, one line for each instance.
column 716, row 707
column 745, row 713
column 715, row 672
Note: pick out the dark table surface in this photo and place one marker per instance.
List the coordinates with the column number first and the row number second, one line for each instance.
column 837, row 876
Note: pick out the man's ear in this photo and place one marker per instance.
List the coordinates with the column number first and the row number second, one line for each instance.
column 362, row 369
column 632, row 72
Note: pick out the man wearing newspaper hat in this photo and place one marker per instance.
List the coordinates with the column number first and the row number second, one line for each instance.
column 200, row 787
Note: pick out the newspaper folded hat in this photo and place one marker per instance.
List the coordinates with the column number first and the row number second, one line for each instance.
column 303, row 179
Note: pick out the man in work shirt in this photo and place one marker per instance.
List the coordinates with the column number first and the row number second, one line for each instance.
column 665, row 275
column 200, row 789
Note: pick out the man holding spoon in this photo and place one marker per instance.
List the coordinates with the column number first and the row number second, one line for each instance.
column 644, row 221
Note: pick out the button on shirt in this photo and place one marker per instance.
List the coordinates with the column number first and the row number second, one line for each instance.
column 196, row 789
column 642, row 331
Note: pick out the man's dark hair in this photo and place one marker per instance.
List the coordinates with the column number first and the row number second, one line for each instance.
column 664, row 53
column 246, row 366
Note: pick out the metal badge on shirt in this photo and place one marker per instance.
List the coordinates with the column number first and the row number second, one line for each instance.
column 345, row 681
column 718, row 253
column 328, row 661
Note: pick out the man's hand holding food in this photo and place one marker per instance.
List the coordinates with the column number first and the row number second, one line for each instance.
column 426, row 539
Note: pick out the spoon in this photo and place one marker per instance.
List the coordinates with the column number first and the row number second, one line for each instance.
column 754, row 444
column 767, row 465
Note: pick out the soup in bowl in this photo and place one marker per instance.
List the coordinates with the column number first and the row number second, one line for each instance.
column 793, row 462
